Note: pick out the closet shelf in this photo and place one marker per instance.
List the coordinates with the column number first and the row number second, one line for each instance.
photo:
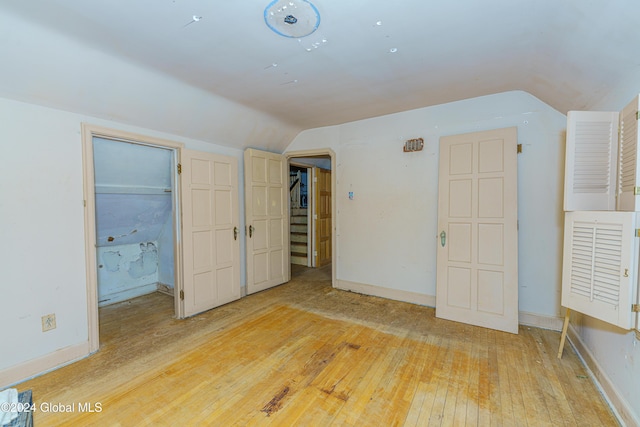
column 126, row 189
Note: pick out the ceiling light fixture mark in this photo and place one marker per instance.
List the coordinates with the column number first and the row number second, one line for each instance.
column 290, row 82
column 393, row 50
column 279, row 17
column 195, row 18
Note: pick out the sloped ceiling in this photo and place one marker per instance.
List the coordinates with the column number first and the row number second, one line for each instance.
column 367, row 58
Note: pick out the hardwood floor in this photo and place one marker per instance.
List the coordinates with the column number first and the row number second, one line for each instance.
column 307, row 354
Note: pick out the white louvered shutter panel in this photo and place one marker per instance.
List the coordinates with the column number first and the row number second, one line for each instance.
column 590, row 162
column 600, row 265
column 628, row 176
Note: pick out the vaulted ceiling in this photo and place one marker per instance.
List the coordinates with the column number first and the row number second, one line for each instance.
column 367, row 58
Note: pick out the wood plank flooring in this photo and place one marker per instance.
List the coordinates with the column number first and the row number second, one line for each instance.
column 307, row 354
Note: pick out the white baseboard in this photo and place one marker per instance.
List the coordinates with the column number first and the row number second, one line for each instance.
column 553, row 323
column 524, row 318
column 43, row 364
column 127, row 294
column 394, row 294
column 164, row 289
column 619, row 405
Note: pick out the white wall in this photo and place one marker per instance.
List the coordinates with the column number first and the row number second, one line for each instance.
column 44, row 67
column 42, row 232
column 386, row 236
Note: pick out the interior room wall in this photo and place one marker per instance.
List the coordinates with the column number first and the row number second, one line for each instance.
column 43, row 217
column 387, row 235
column 166, row 256
column 52, row 69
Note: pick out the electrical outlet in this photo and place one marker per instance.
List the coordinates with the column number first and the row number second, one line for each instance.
column 48, row 322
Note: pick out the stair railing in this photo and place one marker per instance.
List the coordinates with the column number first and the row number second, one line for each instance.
column 294, row 188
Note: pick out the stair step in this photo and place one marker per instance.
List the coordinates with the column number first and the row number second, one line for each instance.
column 299, row 237
column 298, row 219
column 299, row 211
column 299, row 248
column 298, row 228
column 298, row 260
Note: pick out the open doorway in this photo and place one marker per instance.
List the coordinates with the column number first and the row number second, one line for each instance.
column 134, row 219
column 131, row 219
column 310, row 213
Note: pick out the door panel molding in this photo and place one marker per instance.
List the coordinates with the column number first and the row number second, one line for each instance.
column 210, row 220
column 477, row 258
column 267, row 219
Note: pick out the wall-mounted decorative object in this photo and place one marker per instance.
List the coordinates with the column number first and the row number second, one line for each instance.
column 416, row 144
column 292, row 18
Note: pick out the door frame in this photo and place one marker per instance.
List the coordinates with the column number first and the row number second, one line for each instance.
column 90, row 131
column 323, row 152
column 310, row 222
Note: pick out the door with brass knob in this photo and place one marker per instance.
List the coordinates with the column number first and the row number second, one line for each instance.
column 211, row 249
column 477, row 241
column 266, row 210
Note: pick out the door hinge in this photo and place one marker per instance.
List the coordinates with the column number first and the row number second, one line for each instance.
column 179, row 168
column 635, row 308
column 637, row 233
column 636, row 191
column 519, row 150
column 182, row 295
column 637, row 115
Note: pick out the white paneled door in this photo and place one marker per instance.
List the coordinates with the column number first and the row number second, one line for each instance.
column 267, row 222
column 477, row 259
column 210, row 231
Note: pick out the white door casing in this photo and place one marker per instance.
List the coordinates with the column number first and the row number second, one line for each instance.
column 210, row 231
column 267, row 222
column 477, row 259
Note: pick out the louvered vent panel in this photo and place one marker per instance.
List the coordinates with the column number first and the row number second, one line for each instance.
column 582, row 259
column 592, row 157
column 628, row 151
column 607, row 263
column 599, row 265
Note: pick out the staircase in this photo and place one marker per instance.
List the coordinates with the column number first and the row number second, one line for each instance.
column 299, row 236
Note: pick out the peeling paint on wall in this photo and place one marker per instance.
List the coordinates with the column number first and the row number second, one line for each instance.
column 147, row 262
column 111, row 260
column 127, row 271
